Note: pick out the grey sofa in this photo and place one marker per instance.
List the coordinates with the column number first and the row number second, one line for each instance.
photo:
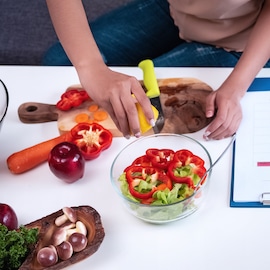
column 26, row 31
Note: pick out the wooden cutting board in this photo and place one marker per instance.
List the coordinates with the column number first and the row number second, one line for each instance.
column 34, row 112
column 182, row 100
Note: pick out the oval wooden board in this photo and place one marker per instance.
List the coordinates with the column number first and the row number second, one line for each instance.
column 46, row 226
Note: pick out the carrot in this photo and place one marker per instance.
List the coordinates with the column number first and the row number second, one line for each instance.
column 100, row 115
column 93, row 108
column 161, row 186
column 31, row 157
column 81, row 117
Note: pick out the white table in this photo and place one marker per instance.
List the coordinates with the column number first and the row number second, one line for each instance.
column 215, row 237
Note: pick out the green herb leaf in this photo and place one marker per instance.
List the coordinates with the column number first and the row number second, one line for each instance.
column 15, row 246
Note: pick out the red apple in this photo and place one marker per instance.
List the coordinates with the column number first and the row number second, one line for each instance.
column 66, row 162
column 8, row 217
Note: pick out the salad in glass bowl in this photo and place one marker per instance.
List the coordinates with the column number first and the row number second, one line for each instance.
column 163, row 177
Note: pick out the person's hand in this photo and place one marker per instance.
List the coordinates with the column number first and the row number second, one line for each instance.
column 228, row 112
column 113, row 91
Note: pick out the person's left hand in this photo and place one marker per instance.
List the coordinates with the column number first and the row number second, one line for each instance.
column 228, row 114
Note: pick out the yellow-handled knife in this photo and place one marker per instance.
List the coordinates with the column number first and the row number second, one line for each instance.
column 152, row 91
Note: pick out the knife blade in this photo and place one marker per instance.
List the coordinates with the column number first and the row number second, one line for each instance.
column 152, row 91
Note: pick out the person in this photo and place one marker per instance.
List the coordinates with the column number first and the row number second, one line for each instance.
column 210, row 33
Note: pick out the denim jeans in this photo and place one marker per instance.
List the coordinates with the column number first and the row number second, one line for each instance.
column 144, row 29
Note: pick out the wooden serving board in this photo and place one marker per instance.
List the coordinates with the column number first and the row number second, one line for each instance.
column 182, row 100
column 46, row 228
column 34, row 112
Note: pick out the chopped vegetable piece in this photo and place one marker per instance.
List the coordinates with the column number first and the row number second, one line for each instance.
column 100, row 115
column 160, row 158
column 182, row 155
column 72, row 98
column 81, row 117
column 93, row 108
column 144, row 181
column 143, row 161
column 180, row 174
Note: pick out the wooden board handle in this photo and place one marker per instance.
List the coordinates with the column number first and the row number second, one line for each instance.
column 34, row 112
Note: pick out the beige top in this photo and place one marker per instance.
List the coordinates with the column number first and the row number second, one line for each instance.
column 223, row 23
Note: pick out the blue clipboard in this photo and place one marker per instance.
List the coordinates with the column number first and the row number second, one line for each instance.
column 259, row 84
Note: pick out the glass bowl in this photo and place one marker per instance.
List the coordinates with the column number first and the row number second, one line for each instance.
column 3, row 102
column 166, row 212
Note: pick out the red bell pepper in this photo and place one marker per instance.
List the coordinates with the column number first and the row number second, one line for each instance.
column 142, row 161
column 153, row 178
column 160, row 158
column 72, row 98
column 182, row 155
column 184, row 166
column 180, row 174
column 91, row 139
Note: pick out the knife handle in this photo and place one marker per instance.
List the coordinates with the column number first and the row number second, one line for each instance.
column 149, row 78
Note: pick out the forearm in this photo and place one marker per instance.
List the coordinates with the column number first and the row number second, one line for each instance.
column 114, row 92
column 254, row 57
column 72, row 28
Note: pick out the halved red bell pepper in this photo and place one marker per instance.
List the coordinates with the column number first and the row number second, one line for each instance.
column 153, row 177
column 72, row 98
column 160, row 158
column 91, row 139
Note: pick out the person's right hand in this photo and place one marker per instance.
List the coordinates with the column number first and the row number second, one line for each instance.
column 228, row 112
column 113, row 91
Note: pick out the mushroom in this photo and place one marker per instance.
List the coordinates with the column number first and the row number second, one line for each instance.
column 64, row 250
column 69, row 214
column 47, row 256
column 78, row 241
column 80, row 228
column 59, row 236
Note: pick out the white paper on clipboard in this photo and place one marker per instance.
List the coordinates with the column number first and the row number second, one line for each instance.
column 252, row 149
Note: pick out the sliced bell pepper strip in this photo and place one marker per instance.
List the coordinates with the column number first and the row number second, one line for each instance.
column 194, row 161
column 145, row 181
column 142, row 161
column 141, row 195
column 180, row 174
column 160, row 158
column 72, row 98
column 188, row 158
column 148, row 201
column 182, row 155
column 134, row 172
column 197, row 165
column 91, row 139
column 166, row 181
